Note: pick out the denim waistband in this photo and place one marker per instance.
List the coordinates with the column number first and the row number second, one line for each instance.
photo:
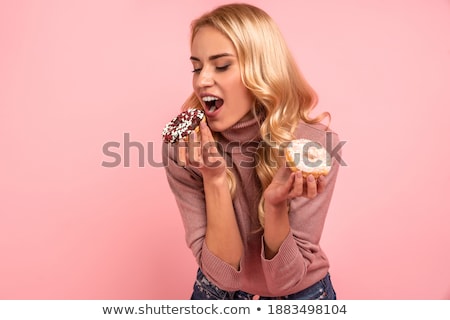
column 204, row 289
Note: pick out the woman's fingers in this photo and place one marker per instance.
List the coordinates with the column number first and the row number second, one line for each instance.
column 297, row 185
column 321, row 184
column 193, row 150
column 206, row 133
column 311, row 186
column 287, row 185
column 282, row 175
column 278, row 190
column 211, row 155
column 180, row 153
column 190, row 151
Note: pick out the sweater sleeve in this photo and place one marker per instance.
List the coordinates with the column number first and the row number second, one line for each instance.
column 186, row 184
column 300, row 252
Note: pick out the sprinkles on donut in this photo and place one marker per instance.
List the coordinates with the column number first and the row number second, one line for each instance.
column 182, row 125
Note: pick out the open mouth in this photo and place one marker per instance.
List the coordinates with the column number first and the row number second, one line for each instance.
column 212, row 103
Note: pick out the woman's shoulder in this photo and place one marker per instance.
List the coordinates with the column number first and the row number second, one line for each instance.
column 318, row 132
column 319, row 128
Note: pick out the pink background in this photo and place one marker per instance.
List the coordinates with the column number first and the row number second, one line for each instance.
column 75, row 75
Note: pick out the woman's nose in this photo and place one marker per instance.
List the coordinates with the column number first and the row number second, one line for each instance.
column 205, row 79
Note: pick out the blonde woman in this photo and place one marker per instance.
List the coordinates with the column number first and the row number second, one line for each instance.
column 253, row 224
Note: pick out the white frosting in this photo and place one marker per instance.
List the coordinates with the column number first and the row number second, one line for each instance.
column 308, row 156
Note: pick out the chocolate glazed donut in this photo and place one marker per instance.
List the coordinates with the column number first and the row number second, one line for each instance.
column 180, row 127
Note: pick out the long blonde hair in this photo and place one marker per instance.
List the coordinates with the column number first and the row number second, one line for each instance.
column 271, row 74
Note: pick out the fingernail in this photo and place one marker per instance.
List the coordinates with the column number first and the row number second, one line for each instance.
column 311, row 178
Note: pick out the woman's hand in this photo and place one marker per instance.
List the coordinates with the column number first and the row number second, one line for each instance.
column 287, row 185
column 201, row 152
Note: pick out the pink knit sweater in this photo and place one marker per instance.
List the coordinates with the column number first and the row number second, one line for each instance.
column 300, row 261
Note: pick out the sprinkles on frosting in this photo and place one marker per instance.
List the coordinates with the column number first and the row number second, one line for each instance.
column 182, row 125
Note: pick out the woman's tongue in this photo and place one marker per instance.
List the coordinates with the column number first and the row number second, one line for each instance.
column 214, row 105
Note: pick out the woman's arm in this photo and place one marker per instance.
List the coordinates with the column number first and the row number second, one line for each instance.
column 286, row 185
column 288, row 257
column 222, row 236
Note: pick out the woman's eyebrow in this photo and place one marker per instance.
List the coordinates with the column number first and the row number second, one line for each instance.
column 213, row 57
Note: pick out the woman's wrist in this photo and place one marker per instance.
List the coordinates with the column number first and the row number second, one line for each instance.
column 276, row 207
column 216, row 181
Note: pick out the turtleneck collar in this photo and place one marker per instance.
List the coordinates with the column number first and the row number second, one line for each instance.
column 242, row 131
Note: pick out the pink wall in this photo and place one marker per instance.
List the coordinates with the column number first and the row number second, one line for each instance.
column 75, row 75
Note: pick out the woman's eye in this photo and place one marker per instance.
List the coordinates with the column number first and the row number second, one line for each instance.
column 197, row 70
column 223, row 68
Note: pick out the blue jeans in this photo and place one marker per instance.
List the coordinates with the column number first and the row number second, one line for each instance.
column 205, row 290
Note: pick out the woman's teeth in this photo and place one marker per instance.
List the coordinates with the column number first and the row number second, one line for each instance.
column 210, row 102
column 209, row 98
